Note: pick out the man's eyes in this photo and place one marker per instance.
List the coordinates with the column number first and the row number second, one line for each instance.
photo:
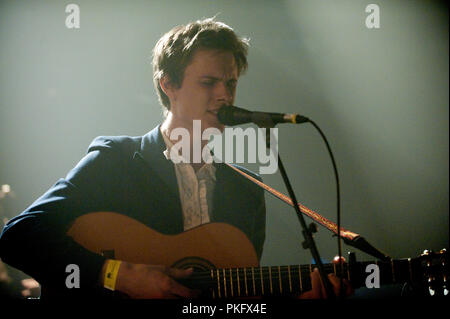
column 232, row 84
column 210, row 83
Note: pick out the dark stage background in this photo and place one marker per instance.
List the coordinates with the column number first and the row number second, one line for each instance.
column 380, row 95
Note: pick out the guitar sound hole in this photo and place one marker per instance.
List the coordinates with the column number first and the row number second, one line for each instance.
column 199, row 264
column 198, row 280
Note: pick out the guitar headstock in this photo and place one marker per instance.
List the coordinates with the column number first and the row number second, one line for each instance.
column 435, row 268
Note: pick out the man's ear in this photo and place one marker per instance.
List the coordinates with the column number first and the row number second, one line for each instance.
column 167, row 87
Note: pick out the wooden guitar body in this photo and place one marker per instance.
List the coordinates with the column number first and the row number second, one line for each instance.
column 213, row 245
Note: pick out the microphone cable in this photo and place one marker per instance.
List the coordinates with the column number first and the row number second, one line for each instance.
column 338, row 195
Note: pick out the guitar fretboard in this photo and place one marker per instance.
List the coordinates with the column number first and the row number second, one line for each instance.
column 293, row 279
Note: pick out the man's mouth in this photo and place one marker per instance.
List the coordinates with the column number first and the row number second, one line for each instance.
column 214, row 111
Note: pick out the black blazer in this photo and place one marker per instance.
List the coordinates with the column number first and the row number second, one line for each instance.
column 127, row 175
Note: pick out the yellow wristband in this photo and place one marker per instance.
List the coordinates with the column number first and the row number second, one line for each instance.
column 112, row 269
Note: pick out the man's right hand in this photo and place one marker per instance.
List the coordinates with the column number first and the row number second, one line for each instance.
column 141, row 281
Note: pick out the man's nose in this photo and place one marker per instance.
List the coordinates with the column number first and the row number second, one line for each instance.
column 223, row 93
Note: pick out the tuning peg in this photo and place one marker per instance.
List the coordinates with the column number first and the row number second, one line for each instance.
column 426, row 252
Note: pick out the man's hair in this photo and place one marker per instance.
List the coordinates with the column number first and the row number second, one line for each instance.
column 174, row 51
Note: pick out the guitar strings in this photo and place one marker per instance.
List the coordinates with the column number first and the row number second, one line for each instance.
column 278, row 272
column 275, row 272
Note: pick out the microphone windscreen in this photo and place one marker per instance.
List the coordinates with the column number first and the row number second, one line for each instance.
column 232, row 115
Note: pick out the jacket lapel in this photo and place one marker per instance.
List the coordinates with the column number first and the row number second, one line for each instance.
column 226, row 197
column 157, row 177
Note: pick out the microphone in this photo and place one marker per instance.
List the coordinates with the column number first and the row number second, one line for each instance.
column 233, row 115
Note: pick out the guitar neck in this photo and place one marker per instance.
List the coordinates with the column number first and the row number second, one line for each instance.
column 294, row 279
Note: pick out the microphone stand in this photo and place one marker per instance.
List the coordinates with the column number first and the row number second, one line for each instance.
column 309, row 243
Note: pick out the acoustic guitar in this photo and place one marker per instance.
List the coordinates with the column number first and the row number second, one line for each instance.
column 225, row 262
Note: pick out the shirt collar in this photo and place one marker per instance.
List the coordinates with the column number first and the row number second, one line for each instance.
column 207, row 169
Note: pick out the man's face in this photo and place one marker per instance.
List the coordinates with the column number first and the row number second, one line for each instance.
column 209, row 82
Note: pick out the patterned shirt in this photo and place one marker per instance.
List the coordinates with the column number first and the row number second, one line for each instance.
column 196, row 189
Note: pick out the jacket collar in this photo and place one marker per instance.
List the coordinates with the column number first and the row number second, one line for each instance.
column 151, row 151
